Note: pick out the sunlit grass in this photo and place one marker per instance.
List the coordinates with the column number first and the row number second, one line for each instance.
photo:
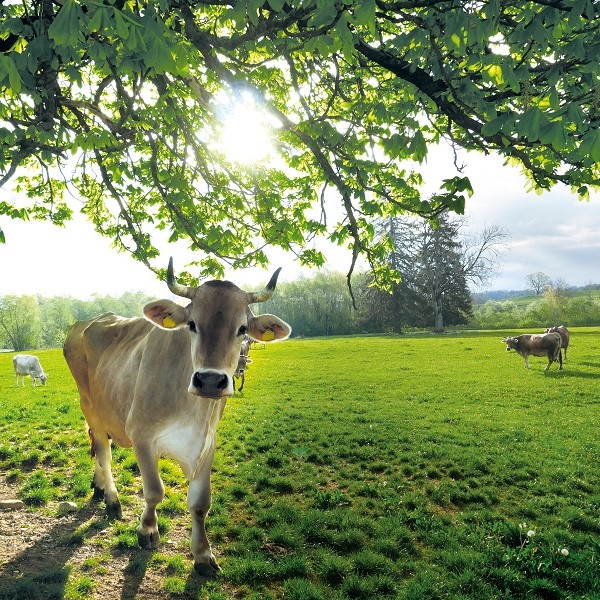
column 381, row 467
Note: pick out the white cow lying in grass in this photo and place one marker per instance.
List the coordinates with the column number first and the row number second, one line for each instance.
column 27, row 364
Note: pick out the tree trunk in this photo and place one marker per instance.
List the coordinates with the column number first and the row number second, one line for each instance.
column 439, row 318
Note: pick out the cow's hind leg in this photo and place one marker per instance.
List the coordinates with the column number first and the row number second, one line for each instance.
column 154, row 492
column 103, row 482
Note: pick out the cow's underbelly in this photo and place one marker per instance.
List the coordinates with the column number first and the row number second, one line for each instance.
column 539, row 352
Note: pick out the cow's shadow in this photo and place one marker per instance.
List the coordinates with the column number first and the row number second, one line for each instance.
column 569, row 372
column 590, row 364
column 41, row 571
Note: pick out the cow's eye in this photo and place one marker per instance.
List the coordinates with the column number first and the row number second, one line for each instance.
column 242, row 330
column 192, row 326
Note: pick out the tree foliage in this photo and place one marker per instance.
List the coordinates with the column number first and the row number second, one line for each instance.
column 20, row 322
column 39, row 322
column 118, row 103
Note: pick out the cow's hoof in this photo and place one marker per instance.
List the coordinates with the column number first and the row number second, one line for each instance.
column 149, row 541
column 208, row 570
column 98, row 492
column 113, row 510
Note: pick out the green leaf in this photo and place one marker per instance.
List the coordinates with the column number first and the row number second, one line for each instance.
column 121, row 25
column 324, row 14
column 418, row 147
column 64, row 30
column 531, row 123
column 591, row 144
column 9, row 69
column 364, row 14
column 345, row 36
column 496, row 125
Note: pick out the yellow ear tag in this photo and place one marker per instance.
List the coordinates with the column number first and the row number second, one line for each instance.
column 268, row 335
column 169, row 323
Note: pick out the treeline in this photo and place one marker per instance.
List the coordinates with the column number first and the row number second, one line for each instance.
column 319, row 305
column 552, row 307
column 28, row 322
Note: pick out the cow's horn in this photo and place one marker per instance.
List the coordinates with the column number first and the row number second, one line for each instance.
column 267, row 292
column 177, row 288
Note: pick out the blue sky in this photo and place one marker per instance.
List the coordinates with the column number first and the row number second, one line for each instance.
column 553, row 232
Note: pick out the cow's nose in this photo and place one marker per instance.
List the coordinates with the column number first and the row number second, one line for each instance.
column 210, row 383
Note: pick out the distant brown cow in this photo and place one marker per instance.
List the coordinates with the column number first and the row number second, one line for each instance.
column 564, row 336
column 536, row 344
column 243, row 361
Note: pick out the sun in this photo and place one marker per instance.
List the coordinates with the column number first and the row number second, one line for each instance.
column 247, row 131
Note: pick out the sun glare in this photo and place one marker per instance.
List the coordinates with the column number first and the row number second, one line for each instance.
column 246, row 137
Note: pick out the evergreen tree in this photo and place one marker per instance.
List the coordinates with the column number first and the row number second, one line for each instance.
column 434, row 269
column 441, row 278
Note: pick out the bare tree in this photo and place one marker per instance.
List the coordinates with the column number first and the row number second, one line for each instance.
column 560, row 286
column 481, row 254
column 538, row 282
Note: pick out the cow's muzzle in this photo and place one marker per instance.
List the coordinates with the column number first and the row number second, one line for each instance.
column 211, row 383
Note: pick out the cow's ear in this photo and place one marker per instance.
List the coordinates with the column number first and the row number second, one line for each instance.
column 268, row 328
column 166, row 314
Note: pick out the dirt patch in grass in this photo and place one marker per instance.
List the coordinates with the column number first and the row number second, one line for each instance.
column 46, row 555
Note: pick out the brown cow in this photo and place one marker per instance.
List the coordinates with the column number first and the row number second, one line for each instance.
column 243, row 361
column 536, row 344
column 564, row 336
column 160, row 385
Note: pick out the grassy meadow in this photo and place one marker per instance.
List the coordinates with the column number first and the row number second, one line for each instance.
column 409, row 467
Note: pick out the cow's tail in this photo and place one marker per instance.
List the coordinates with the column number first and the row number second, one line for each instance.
column 91, row 436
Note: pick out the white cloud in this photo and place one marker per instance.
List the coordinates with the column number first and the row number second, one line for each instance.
column 554, row 232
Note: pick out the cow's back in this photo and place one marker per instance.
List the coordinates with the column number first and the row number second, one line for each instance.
column 26, row 363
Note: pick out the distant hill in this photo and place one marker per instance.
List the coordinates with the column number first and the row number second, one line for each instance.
column 526, row 296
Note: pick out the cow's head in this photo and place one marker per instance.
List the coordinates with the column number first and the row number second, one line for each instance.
column 218, row 318
column 512, row 343
column 43, row 378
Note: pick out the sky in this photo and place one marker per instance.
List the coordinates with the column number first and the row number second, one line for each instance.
column 554, row 233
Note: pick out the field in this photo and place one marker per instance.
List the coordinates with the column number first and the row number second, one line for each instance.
column 410, row 467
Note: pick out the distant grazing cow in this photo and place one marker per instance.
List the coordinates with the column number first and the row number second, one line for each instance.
column 564, row 336
column 240, row 372
column 536, row 344
column 243, row 361
column 160, row 385
column 27, row 364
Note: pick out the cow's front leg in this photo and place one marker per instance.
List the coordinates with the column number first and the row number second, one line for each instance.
column 199, row 498
column 527, row 362
column 154, row 492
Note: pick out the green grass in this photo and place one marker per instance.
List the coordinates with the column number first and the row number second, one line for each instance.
column 401, row 467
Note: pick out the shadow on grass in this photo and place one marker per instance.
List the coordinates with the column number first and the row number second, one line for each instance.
column 40, row 570
column 596, row 365
column 134, row 573
column 568, row 372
